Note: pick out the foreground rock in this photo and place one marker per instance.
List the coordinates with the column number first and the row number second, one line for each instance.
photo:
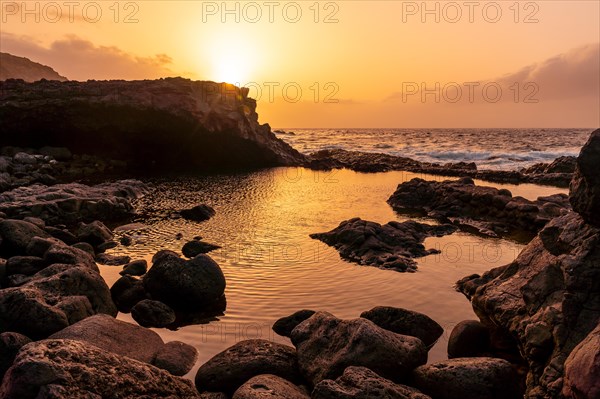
column 582, row 368
column 269, row 386
column 10, row 344
column 362, row 383
column 469, row 378
column 230, row 369
column 585, row 187
column 70, row 369
column 469, row 338
column 405, row 322
column 484, row 210
column 166, row 123
column 327, row 345
column 557, row 173
column 73, row 202
column 391, row 246
column 132, row 341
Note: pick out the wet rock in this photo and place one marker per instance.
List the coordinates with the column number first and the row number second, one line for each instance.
column 199, row 213
column 362, row 383
column 230, row 369
column 59, row 365
column 585, row 187
column 285, row 325
column 94, row 233
column 405, row 322
column 390, row 246
column 195, row 247
column 10, row 343
column 149, row 313
column 483, row 210
column 73, row 202
column 135, row 268
column 469, row 338
column 176, row 357
column 181, row 284
column 327, row 345
column 582, row 368
column 126, row 292
column 112, row 260
column 268, row 386
column 547, row 299
column 15, row 236
column 54, row 298
column 468, row 378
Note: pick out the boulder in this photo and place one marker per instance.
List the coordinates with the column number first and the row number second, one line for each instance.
column 198, row 213
column 15, row 236
column 268, row 386
column 94, row 233
column 196, row 247
column 176, row 357
column 149, row 313
column 405, row 322
column 135, row 268
column 582, row 368
column 469, row 378
column 585, row 186
column 126, row 292
column 60, row 368
column 28, row 265
column 10, row 344
column 362, row 383
column 469, row 338
column 391, row 246
column 326, row 346
column 285, row 325
column 193, row 285
column 64, row 254
column 230, row 369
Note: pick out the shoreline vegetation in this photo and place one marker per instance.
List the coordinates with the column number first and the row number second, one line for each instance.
column 537, row 333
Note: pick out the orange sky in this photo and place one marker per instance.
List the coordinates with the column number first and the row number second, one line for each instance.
column 339, row 64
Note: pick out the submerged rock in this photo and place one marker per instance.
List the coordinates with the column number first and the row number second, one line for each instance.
column 326, row 346
column 485, row 210
column 362, row 383
column 61, row 368
column 199, row 213
column 390, row 246
column 196, row 247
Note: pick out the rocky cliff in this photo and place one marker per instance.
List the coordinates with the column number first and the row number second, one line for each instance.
column 168, row 123
column 13, row 67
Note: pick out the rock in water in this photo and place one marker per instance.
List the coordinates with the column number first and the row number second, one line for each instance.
column 166, row 123
column 585, row 186
column 362, row 383
column 268, row 386
column 75, row 369
column 327, row 345
column 149, row 313
column 228, row 370
column 196, row 247
column 391, row 246
column 285, row 325
column 193, row 285
column 199, row 213
column 405, row 322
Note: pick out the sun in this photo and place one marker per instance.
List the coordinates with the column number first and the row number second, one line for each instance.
column 232, row 60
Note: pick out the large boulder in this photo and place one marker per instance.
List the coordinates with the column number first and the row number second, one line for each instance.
column 54, row 298
column 195, row 284
column 405, row 322
column 585, row 186
column 15, row 236
column 582, row 368
column 547, row 301
column 166, row 123
column 326, row 346
column 362, row 383
column 469, row 378
column 469, row 338
column 484, row 210
column 63, row 369
column 391, row 246
column 228, row 370
column 268, row 386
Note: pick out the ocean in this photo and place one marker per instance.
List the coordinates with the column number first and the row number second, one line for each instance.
column 498, row 149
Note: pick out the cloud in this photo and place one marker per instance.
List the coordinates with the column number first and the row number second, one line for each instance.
column 80, row 59
column 574, row 74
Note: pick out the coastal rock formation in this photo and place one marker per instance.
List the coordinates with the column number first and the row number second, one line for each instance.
column 230, row 369
column 548, row 299
column 268, row 386
column 405, row 322
column 73, row 202
column 362, row 383
column 391, row 246
column 155, row 124
column 481, row 209
column 13, row 67
column 468, row 378
column 62, row 369
column 326, row 346
column 559, row 173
